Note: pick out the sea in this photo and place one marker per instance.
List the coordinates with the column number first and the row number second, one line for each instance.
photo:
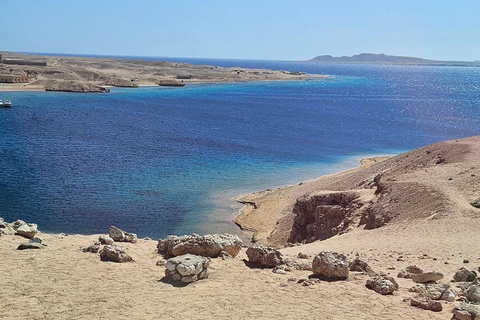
column 158, row 161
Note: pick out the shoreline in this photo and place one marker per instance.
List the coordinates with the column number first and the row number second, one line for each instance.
column 257, row 227
column 93, row 74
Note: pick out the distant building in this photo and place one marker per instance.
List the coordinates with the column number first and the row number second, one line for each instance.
column 13, row 78
column 23, row 62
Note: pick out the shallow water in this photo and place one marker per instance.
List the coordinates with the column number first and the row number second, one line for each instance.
column 159, row 161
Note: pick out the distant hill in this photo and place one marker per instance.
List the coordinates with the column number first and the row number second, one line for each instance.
column 373, row 58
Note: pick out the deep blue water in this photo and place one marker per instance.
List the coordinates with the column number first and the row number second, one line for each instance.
column 160, row 161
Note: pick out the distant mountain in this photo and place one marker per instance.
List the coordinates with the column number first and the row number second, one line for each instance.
column 372, row 58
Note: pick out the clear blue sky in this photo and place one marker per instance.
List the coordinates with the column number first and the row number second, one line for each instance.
column 246, row 29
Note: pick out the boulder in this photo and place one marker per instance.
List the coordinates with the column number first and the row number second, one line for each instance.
column 206, row 246
column 435, row 291
column 427, row 277
column 119, row 235
column 331, row 265
column 264, row 256
column 472, row 291
column 94, row 248
column 464, row 275
column 17, row 224
column 115, row 254
column 27, row 230
column 466, row 311
column 187, row 268
column 382, row 284
column 424, row 302
column 106, row 240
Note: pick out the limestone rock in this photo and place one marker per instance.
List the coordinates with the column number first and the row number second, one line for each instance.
column 427, row 277
column 331, row 265
column 264, row 256
column 27, row 230
column 187, row 268
column 382, row 284
column 106, row 240
column 118, row 234
column 206, row 246
column 93, row 248
column 464, row 275
column 466, row 311
column 424, row 302
column 115, row 254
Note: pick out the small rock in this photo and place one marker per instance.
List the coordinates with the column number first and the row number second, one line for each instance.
column 265, row 256
column 30, row 245
column 119, row 235
column 464, row 275
column 472, row 291
column 303, row 256
column 360, row 266
column 331, row 265
column 225, row 255
column 427, row 277
column 426, row 303
column 93, row 248
column 161, row 263
column 279, row 271
column 114, row 254
column 466, row 311
column 187, row 268
column 466, row 261
column 27, row 230
column 382, row 284
column 147, row 238
column 106, row 240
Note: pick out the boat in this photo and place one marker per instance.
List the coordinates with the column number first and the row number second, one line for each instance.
column 1, row 103
column 7, row 104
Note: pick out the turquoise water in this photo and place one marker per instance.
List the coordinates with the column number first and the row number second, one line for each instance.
column 160, row 161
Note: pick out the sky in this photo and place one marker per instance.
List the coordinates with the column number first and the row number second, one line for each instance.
column 243, row 29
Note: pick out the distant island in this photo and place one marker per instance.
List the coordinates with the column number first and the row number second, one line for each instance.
column 373, row 58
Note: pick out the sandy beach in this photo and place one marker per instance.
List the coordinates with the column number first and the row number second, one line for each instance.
column 62, row 282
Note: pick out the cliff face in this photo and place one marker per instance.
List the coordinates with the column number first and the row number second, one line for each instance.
column 439, row 181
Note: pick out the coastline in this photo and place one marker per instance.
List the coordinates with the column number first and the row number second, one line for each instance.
column 257, row 227
column 89, row 74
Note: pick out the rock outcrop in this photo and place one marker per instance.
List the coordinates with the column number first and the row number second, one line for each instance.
column 187, row 268
column 119, row 235
column 5, row 228
column 114, row 254
column 265, row 256
column 331, row 266
column 206, row 246
column 171, row 83
column 73, row 86
column 19, row 227
column 382, row 284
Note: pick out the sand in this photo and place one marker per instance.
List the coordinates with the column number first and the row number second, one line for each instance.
column 68, row 73
column 62, row 282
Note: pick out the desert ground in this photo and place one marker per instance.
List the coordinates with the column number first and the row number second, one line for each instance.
column 433, row 226
column 88, row 74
